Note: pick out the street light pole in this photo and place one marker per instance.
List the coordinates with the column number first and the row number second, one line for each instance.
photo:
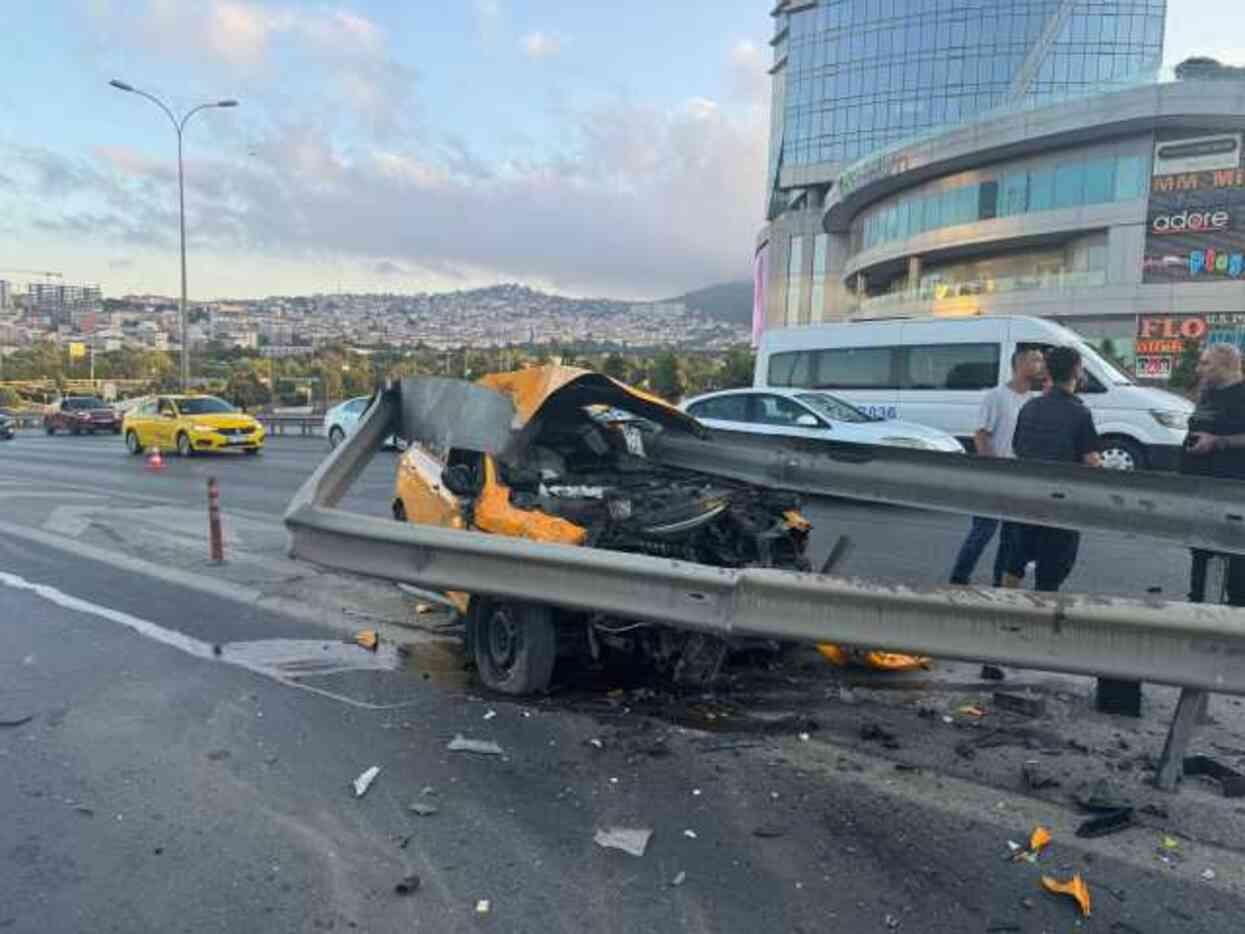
column 179, row 127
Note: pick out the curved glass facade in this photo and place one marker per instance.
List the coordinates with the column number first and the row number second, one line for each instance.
column 854, row 76
column 1054, row 182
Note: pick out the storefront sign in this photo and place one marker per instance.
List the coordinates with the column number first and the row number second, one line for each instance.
column 1159, row 368
column 1197, row 154
column 1196, row 194
column 884, row 167
column 1161, row 340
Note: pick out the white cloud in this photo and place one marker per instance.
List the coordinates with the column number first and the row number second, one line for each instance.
column 538, row 45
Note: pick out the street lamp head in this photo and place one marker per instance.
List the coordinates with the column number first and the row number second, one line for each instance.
column 120, row 85
column 228, row 103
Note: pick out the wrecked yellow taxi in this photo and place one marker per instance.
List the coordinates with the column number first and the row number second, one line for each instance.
column 577, row 475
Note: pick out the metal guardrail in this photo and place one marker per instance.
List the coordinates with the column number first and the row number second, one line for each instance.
column 306, row 425
column 1192, row 645
column 1199, row 512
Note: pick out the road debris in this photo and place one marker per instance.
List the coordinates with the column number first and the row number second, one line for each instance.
column 1074, row 887
column 690, row 834
column 596, row 743
column 971, row 710
column 1039, row 840
column 408, row 886
column 628, row 839
column 18, row 721
column 422, row 810
column 483, row 906
column 367, row 639
column 768, row 831
column 364, row 781
column 1100, row 795
column 1024, row 704
column 1108, row 822
column 992, row 673
column 678, row 880
column 218, row 755
column 489, row 715
column 483, row 747
column 1230, row 780
column 892, row 922
column 1208, row 875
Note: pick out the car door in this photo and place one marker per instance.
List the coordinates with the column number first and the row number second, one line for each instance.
column 143, row 422
column 727, row 412
column 351, row 412
column 771, row 414
column 164, row 425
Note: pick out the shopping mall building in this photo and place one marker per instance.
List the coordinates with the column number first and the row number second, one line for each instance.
column 960, row 157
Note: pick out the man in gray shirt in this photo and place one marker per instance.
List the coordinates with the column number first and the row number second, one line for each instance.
column 996, row 427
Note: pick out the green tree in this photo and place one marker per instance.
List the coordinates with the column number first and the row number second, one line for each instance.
column 665, row 376
column 244, row 389
column 1184, row 372
column 615, row 366
column 9, row 399
column 737, row 368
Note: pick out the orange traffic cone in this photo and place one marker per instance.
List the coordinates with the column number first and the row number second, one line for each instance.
column 154, row 460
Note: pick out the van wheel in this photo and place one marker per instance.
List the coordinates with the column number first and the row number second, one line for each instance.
column 514, row 644
column 1122, row 454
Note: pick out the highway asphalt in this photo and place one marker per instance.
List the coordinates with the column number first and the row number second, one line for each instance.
column 188, row 762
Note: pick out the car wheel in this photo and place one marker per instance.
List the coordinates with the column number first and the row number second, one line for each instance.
column 50, row 429
column 131, row 443
column 251, row 452
column 336, row 436
column 1122, row 454
column 184, row 448
column 514, row 644
column 399, row 510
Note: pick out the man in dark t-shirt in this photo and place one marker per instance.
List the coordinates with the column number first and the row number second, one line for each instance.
column 1215, row 447
column 1056, row 426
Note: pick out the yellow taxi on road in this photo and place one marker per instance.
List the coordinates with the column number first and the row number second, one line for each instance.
column 190, row 424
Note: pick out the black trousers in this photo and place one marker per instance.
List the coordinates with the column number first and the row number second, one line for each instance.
column 1234, row 579
column 1053, row 551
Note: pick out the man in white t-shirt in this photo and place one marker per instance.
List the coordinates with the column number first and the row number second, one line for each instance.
column 996, row 426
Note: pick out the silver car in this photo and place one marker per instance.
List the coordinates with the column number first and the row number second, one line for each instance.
column 341, row 419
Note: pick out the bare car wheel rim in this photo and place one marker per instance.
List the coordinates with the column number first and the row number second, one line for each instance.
column 1117, row 458
column 503, row 640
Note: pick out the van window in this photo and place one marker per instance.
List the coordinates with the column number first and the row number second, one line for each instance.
column 855, row 368
column 791, row 368
column 953, row 366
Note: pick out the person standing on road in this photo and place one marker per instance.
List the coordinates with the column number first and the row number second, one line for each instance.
column 996, row 424
column 1056, row 426
column 1215, row 447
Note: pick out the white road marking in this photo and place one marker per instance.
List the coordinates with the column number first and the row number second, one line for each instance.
column 70, row 520
column 268, row 658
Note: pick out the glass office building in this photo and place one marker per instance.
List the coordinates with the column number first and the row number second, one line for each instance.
column 854, row 76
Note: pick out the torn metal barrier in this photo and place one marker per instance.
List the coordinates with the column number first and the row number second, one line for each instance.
column 1198, row 512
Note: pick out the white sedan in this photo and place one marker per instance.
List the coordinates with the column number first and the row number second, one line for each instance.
column 341, row 419
column 807, row 413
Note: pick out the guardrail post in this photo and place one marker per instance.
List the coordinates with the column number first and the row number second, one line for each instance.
column 216, row 544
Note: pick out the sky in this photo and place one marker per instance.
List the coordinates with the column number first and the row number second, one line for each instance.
column 589, row 148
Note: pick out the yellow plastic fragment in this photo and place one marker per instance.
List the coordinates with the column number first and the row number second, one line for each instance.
column 1039, row 839
column 1074, row 887
column 970, row 711
column 367, row 639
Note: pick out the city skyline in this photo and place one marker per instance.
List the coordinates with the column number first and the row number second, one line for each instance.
column 573, row 150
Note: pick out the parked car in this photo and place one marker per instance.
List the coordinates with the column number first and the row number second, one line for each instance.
column 6, row 427
column 935, row 371
column 809, row 413
column 78, row 414
column 341, row 419
column 190, row 424
column 578, row 476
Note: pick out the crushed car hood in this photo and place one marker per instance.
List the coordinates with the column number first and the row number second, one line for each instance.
column 534, row 389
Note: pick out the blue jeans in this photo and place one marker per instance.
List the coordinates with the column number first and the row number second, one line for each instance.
column 979, row 535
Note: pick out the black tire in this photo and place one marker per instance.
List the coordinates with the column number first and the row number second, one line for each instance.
column 336, row 436
column 1122, row 454
column 50, row 429
column 184, row 447
column 252, row 452
column 514, row 644
column 117, row 430
column 131, row 442
column 399, row 510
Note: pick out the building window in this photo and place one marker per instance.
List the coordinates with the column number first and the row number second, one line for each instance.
column 795, row 281
column 821, row 245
